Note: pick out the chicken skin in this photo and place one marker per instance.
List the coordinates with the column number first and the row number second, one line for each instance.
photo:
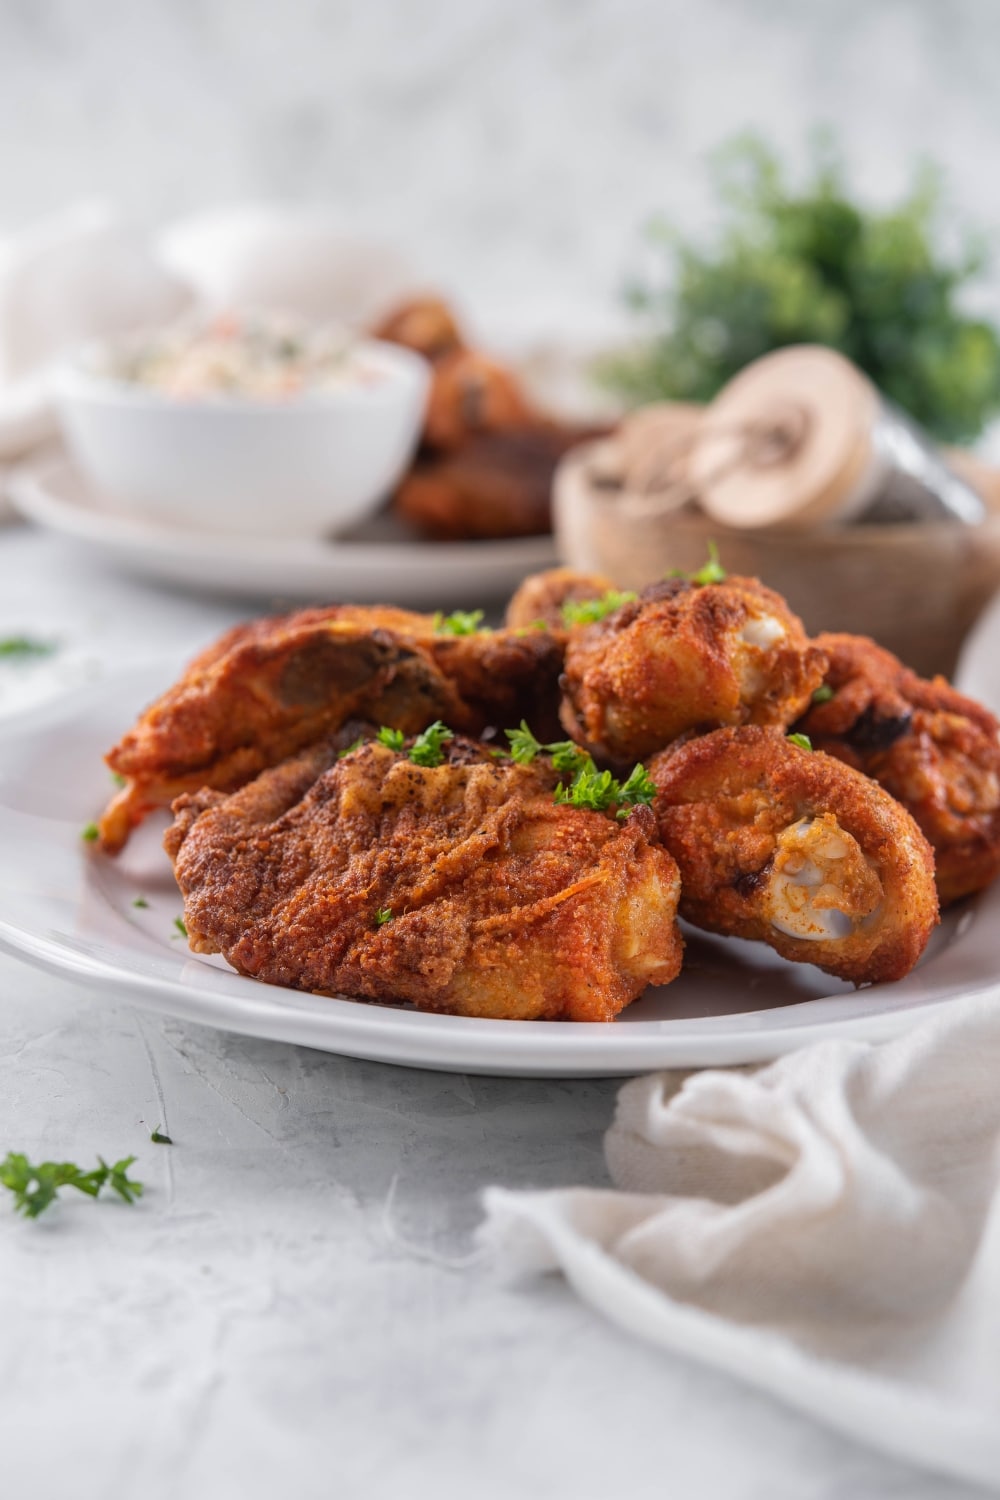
column 425, row 324
column 459, row 887
column 793, row 848
column 936, row 751
column 685, row 658
column 270, row 687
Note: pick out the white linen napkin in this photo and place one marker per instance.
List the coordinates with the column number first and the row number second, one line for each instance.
column 80, row 275
column 826, row 1228
column 287, row 258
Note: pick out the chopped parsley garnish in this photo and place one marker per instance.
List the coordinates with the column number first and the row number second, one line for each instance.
column 461, row 622
column 566, row 756
column 823, row 693
column 590, row 788
column 709, row 572
column 181, row 929
column 159, row 1138
column 118, row 779
column 802, row 740
column 90, row 833
column 523, row 745
column 639, row 787
column 21, row 646
column 383, row 915
column 589, row 611
column 356, row 745
column 393, row 739
column 35, row 1187
column 141, row 903
column 426, row 748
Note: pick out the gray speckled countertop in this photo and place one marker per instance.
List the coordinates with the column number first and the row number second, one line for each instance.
column 296, row 1306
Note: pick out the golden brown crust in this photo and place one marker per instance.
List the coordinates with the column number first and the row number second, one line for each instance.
column 502, row 903
column 724, row 807
column 471, row 393
column 274, row 685
column 424, row 324
column 686, row 658
column 935, row 750
column 495, row 484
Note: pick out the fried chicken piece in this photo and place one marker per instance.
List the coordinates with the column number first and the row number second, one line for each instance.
column 462, row 887
column 425, row 324
column 685, row 658
column 471, row 393
column 935, row 750
column 497, row 484
column 541, row 597
column 792, row 847
column 268, row 688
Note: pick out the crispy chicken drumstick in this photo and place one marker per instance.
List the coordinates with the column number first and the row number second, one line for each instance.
column 935, row 750
column 791, row 847
column 686, row 657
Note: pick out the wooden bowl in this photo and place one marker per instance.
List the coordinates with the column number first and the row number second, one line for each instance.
column 916, row 589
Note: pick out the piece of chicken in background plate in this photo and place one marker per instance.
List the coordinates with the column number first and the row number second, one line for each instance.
column 791, row 847
column 936, row 751
column 459, row 886
column 270, row 687
column 685, row 658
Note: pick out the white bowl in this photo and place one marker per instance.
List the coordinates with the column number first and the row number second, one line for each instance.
column 307, row 466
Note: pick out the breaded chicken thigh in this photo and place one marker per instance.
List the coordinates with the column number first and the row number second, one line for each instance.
column 269, row 687
column 791, row 847
column 683, row 658
column 460, row 887
column 936, row 751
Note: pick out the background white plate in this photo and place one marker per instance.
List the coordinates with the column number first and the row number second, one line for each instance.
column 380, row 561
column 66, row 908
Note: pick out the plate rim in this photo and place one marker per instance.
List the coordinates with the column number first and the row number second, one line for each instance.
column 29, row 489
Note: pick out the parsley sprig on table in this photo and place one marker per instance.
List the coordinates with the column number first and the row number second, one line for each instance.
column 20, row 647
column 599, row 791
column 36, row 1186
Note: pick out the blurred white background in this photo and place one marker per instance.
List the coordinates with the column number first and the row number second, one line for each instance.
column 515, row 146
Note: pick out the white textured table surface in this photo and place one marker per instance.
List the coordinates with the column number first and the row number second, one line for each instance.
column 294, row 1306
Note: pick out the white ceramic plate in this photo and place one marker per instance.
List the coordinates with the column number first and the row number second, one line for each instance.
column 68, row 909
column 378, row 562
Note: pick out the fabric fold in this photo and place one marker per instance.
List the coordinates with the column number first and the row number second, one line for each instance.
column 827, row 1228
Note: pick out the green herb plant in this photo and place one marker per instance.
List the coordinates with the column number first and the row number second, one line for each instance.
column 812, row 264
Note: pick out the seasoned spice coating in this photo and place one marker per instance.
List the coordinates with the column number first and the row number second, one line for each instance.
column 686, row 658
column 936, row 751
column 461, row 887
column 270, row 687
column 793, row 848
